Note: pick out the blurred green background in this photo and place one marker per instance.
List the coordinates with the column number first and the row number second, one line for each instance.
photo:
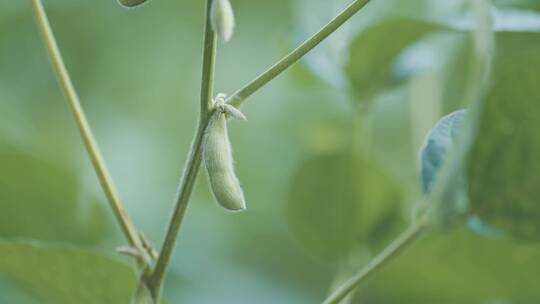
column 327, row 158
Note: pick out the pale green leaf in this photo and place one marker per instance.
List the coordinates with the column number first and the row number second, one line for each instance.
column 504, row 171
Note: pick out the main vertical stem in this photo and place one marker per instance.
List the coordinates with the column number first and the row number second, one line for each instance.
column 193, row 163
column 90, row 143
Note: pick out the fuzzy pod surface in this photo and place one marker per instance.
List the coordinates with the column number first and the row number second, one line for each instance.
column 222, row 19
column 219, row 165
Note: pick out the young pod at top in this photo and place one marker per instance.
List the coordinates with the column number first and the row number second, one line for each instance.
column 131, row 3
column 222, row 19
column 219, row 164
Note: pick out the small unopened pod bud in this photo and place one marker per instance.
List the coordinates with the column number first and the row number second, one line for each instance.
column 131, row 3
column 219, row 164
column 222, row 19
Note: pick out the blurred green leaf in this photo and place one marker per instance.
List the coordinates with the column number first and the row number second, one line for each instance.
column 462, row 268
column 42, row 200
column 504, row 20
column 11, row 293
column 522, row 4
column 458, row 76
column 338, row 202
column 63, row 275
column 504, row 171
column 373, row 52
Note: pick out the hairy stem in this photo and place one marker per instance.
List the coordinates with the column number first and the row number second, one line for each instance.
column 128, row 228
column 239, row 96
column 193, row 163
column 396, row 247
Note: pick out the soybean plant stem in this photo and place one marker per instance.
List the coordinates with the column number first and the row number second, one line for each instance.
column 128, row 228
column 396, row 247
column 239, row 96
column 193, row 163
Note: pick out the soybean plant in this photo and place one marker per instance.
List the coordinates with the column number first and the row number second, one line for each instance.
column 210, row 144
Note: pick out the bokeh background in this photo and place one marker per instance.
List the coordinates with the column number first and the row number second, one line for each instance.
column 328, row 158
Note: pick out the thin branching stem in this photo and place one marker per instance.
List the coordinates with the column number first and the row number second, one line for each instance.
column 239, row 96
column 90, row 143
column 396, row 247
column 193, row 162
column 195, row 155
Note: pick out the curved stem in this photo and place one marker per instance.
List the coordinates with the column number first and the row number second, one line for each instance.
column 90, row 143
column 193, row 163
column 239, row 96
column 396, row 247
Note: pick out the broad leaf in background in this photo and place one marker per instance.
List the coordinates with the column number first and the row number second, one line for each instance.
column 42, row 200
column 328, row 61
column 523, row 4
column 61, row 275
column 504, row 20
column 374, row 51
column 339, row 202
column 504, row 170
column 460, row 267
column 402, row 114
column 11, row 293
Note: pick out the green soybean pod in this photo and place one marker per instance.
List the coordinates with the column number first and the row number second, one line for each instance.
column 131, row 3
column 222, row 19
column 219, row 164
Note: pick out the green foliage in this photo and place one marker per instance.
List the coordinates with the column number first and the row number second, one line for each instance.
column 11, row 292
column 339, row 202
column 42, row 200
column 375, row 50
column 504, row 171
column 460, row 267
column 62, row 275
column 502, row 154
column 518, row 4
